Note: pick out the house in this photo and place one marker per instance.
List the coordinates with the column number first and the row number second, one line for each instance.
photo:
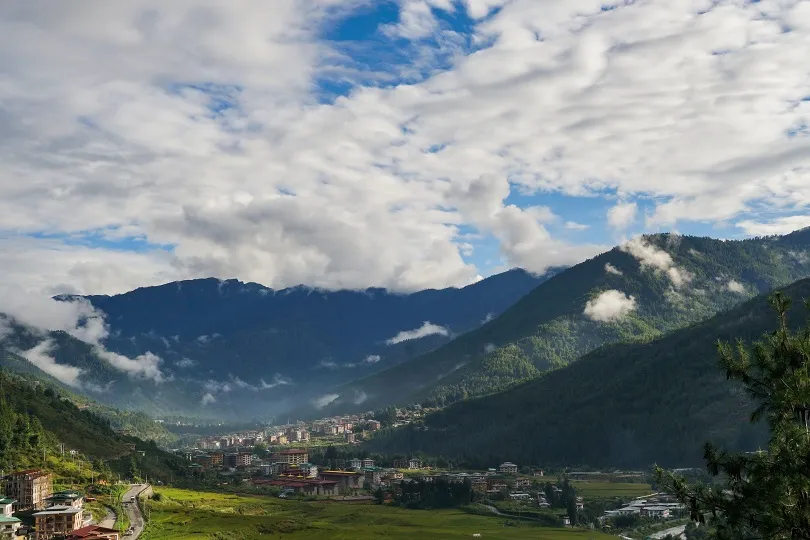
column 346, row 480
column 9, row 526
column 349, row 437
column 508, row 468
column 6, row 506
column 66, row 498
column 655, row 512
column 355, row 464
column 306, row 486
column 368, row 462
column 580, row 503
column 57, row 520
column 374, row 425
column 203, row 461
column 94, row 532
column 372, row 475
column 522, row 483
column 520, row 496
column 30, row 488
column 414, row 464
column 293, row 457
column 309, row 470
column 244, row 459
column 217, row 459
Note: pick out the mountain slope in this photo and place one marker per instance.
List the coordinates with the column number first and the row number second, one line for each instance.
column 662, row 282
column 226, row 349
column 626, row 405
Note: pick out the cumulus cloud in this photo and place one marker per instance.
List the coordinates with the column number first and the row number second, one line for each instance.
column 622, row 215
column 207, row 399
column 427, row 329
column 573, row 225
column 735, row 287
column 372, row 359
column 610, row 269
column 610, row 306
column 41, row 357
column 324, row 400
column 199, row 130
column 185, row 363
column 782, row 225
column 649, row 255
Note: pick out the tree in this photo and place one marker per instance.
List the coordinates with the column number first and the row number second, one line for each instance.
column 766, row 494
column 379, row 496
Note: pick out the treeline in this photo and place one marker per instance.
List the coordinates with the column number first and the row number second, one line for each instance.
column 438, row 493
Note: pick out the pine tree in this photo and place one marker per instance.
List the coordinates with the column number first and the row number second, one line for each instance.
column 766, row 493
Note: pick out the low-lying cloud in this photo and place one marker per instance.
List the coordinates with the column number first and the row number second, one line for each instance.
column 41, row 357
column 610, row 306
column 427, row 329
column 735, row 287
column 81, row 320
column 207, row 399
column 610, row 269
column 649, row 255
column 324, row 400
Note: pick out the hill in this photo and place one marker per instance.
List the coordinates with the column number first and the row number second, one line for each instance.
column 38, row 421
column 626, row 405
column 638, row 291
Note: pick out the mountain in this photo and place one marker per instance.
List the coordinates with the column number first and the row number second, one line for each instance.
column 626, row 405
column 228, row 349
column 638, row 291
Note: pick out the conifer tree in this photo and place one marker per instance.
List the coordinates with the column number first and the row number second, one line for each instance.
column 765, row 494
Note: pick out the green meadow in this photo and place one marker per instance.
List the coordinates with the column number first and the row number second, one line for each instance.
column 187, row 515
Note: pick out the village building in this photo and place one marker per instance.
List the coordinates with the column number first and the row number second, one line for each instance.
column 57, row 520
column 508, row 468
column 305, row 486
column 346, row 480
column 94, row 532
column 66, row 498
column 30, row 488
column 293, row 457
column 355, row 464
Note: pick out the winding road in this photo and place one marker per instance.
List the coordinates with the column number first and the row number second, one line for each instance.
column 133, row 510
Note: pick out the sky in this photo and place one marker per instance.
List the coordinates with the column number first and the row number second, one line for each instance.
column 402, row 144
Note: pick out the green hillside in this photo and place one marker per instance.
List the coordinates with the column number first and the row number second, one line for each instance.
column 674, row 281
column 626, row 405
column 38, row 421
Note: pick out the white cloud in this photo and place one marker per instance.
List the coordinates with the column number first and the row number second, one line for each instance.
column 207, row 399
column 649, row 255
column 41, row 357
column 372, row 359
column 610, row 269
column 326, row 364
column 278, row 380
column 735, row 287
column 489, row 347
column 107, row 130
column 489, row 317
column 782, row 225
column 610, row 306
column 79, row 319
column 427, row 329
column 622, row 215
column 185, row 363
column 573, row 225
column 324, row 400
column 360, row 397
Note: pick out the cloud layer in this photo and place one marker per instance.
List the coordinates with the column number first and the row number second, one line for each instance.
column 144, row 141
column 610, row 306
column 427, row 329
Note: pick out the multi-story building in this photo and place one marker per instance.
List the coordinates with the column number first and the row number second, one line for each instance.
column 217, row 459
column 508, row 468
column 293, row 457
column 94, row 532
column 346, row 480
column 6, row 506
column 8, row 527
column 355, row 464
column 66, row 498
column 368, row 462
column 30, row 488
column 57, row 520
column 244, row 459
column 349, row 437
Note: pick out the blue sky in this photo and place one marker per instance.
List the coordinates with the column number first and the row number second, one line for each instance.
column 403, row 144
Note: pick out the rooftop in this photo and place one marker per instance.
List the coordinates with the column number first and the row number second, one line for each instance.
column 5, row 519
column 91, row 531
column 56, row 510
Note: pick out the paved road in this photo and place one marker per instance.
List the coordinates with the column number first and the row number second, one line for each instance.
column 512, row 516
column 674, row 531
column 109, row 519
column 133, row 510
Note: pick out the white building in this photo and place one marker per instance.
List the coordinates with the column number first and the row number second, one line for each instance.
column 508, row 468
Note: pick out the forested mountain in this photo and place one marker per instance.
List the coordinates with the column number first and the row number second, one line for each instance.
column 38, row 420
column 638, row 291
column 625, row 405
column 227, row 349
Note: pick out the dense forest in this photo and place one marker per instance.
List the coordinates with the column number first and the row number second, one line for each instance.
column 672, row 281
column 40, row 426
column 625, row 405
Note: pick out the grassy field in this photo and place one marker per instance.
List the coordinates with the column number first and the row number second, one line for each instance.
column 611, row 490
column 187, row 515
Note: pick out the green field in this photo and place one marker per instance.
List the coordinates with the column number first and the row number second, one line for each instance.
column 187, row 515
column 611, row 490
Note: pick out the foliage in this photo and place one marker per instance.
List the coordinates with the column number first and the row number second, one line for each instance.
column 626, row 405
column 438, row 493
column 766, row 493
column 547, row 329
